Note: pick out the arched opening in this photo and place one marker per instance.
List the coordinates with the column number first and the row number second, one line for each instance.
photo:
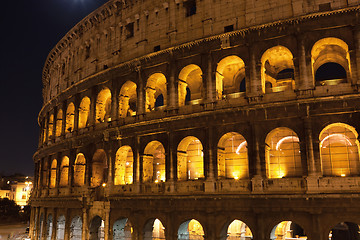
column 70, row 116
column 287, row 230
column 84, row 111
column 155, row 86
column 41, row 226
column 277, row 68
column 232, row 156
column 190, row 77
column 236, row 230
column 330, row 61
column 230, row 72
column 60, row 228
column 243, row 85
column 339, row 150
column 122, row 230
column 103, row 106
column 98, row 165
column 96, row 229
column 127, row 99
column 49, row 227
column 76, row 228
column 345, row 231
column 124, row 166
column 154, row 162
column 53, row 172
column 51, row 126
column 191, row 230
column 188, row 95
column 59, row 121
column 64, row 172
column 79, row 170
column 154, row 230
column 190, row 159
column 45, row 174
column 282, row 154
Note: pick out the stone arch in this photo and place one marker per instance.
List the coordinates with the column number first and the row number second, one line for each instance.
column 232, row 155
column 59, row 122
column 236, row 230
column 122, row 229
column 53, row 173
column 191, row 229
column 98, row 166
column 287, row 230
column 79, row 170
column 155, row 88
column 277, row 68
column 103, row 106
column 339, row 150
column 76, row 228
column 230, row 72
column 96, row 229
column 154, row 162
column 154, row 230
column 190, row 77
column 345, row 231
column 190, row 159
column 49, row 227
column 60, row 228
column 124, row 163
column 127, row 99
column 330, row 50
column 282, row 154
column 70, row 117
column 51, row 126
column 84, row 111
column 64, row 172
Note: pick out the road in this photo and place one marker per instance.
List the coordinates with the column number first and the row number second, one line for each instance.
column 13, row 231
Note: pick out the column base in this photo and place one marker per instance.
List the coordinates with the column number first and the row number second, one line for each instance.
column 312, row 184
column 257, row 185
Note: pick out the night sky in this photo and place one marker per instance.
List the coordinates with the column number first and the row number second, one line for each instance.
column 29, row 30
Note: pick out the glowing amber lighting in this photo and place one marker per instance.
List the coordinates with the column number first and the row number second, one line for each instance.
column 238, row 230
column 59, row 120
column 124, row 166
column 79, row 170
column 155, row 86
column 53, row 174
column 84, row 111
column 103, row 106
column 287, row 230
column 158, row 232
column 104, row 185
column 127, row 99
column 190, row 77
column 64, row 172
column 190, row 159
column 70, row 118
column 154, row 162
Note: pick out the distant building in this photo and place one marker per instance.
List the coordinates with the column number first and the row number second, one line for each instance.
column 16, row 188
column 4, row 193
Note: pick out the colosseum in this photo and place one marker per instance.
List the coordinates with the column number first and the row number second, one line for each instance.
column 202, row 119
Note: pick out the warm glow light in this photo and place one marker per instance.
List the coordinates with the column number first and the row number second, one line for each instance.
column 343, row 175
column 295, row 139
column 338, row 137
column 156, row 181
column 104, row 184
column 240, row 147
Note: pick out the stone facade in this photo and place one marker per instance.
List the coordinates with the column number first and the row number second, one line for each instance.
column 160, row 112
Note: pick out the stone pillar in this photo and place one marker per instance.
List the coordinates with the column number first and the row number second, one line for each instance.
column 305, row 80
column 76, row 113
column 63, row 126
column 257, row 180
column 92, row 113
column 137, row 161
column 309, row 147
column 172, row 99
column 356, row 56
column 255, row 82
column 67, row 225
column 85, row 228
column 44, row 225
column 107, row 224
column 114, row 101
column 140, row 93
column 34, row 223
column 210, row 89
column 72, row 158
column 46, row 126
column 110, row 166
column 171, row 158
column 54, row 229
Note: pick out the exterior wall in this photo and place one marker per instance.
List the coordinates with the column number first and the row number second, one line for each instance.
column 4, row 193
column 306, row 107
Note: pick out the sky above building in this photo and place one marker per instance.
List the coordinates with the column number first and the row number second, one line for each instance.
column 29, row 30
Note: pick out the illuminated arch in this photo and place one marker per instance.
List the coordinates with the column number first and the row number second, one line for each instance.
column 79, row 170
column 98, row 165
column 51, row 126
column 236, row 230
column 232, row 156
column 277, row 69
column 84, row 111
column 287, row 230
column 59, row 122
column 124, row 166
column 330, row 50
column 230, row 72
column 103, row 106
column 76, row 228
column 344, row 230
column 190, row 77
column 96, row 229
column 154, row 230
column 282, row 154
column 122, row 230
column 64, row 172
column 60, row 228
column 53, row 172
column 154, row 162
column 190, row 159
column 191, row 229
column 155, row 88
column 127, row 99
column 339, row 150
column 70, row 117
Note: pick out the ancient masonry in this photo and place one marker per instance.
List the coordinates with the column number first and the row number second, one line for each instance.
column 202, row 119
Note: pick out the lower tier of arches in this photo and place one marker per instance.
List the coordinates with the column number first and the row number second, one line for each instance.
column 202, row 217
